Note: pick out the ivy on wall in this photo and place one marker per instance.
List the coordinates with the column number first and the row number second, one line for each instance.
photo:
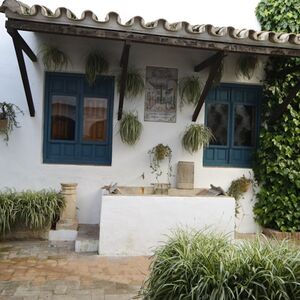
column 278, row 156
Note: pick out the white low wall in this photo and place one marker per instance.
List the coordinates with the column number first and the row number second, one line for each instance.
column 135, row 225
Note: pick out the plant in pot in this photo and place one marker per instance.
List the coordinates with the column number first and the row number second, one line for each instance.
column 130, row 128
column 195, row 137
column 54, row 58
column 96, row 64
column 158, row 154
column 134, row 83
column 8, row 118
column 190, row 90
column 236, row 190
column 246, row 65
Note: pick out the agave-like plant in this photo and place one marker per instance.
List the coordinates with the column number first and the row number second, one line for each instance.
column 134, row 83
column 196, row 136
column 190, row 89
column 96, row 64
column 130, row 128
column 54, row 59
column 246, row 65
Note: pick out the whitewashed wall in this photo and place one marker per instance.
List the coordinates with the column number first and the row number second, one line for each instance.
column 21, row 164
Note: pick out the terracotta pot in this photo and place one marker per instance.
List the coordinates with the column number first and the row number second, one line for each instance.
column 3, row 124
column 279, row 235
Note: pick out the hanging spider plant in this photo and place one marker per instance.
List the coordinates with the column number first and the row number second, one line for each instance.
column 54, row 59
column 134, row 83
column 190, row 89
column 130, row 128
column 96, row 64
column 196, row 136
column 246, row 65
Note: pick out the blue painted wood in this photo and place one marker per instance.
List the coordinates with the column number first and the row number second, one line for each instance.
column 77, row 151
column 233, row 156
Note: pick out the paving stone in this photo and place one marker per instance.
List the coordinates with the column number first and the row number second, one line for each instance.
column 60, row 290
column 39, row 270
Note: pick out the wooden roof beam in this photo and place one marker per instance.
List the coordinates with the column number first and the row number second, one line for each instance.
column 209, row 61
column 22, row 44
column 124, row 65
column 19, row 46
column 139, row 37
column 209, row 82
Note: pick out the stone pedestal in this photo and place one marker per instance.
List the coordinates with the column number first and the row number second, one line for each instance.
column 68, row 219
column 185, row 175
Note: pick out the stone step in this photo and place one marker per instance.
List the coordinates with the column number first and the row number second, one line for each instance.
column 87, row 238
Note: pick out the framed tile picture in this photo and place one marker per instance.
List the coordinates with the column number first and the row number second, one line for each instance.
column 161, row 94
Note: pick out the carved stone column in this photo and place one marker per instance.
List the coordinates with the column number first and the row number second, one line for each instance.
column 68, row 219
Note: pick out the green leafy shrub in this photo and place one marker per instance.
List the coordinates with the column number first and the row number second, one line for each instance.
column 278, row 157
column 30, row 209
column 279, row 15
column 196, row 266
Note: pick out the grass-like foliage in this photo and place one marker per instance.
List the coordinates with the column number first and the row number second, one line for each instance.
column 190, row 89
column 246, row 66
column 130, row 128
column 29, row 209
column 197, row 266
column 54, row 59
column 134, row 83
column 96, row 64
column 196, row 136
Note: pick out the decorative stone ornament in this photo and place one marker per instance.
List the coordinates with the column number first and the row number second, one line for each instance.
column 68, row 219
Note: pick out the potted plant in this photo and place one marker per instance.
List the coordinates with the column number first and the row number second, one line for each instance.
column 8, row 118
column 134, row 83
column 158, row 154
column 96, row 64
column 196, row 136
column 236, row 190
column 130, row 128
column 190, row 90
column 54, row 58
column 246, row 65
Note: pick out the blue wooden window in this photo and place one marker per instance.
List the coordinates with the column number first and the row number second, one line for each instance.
column 232, row 113
column 78, row 119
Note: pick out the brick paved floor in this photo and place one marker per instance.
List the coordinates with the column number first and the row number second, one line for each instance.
column 39, row 270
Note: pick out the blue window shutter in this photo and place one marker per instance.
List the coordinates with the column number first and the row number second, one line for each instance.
column 77, row 151
column 233, row 156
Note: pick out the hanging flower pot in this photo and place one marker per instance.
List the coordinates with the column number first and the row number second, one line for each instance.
column 3, row 124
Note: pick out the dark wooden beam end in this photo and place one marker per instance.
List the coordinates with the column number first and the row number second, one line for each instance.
column 209, row 82
column 209, row 61
column 24, row 76
column 124, row 65
column 21, row 43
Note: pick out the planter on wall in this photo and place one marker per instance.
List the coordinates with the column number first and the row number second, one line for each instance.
column 279, row 235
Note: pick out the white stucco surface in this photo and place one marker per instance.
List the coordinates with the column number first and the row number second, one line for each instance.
column 21, row 161
column 135, row 225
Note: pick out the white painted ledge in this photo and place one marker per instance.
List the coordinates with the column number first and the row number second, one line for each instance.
column 135, row 225
column 63, row 235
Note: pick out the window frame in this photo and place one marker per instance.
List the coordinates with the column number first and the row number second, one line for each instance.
column 80, row 95
column 232, row 102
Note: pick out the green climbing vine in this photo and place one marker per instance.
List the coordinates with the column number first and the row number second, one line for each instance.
column 278, row 156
